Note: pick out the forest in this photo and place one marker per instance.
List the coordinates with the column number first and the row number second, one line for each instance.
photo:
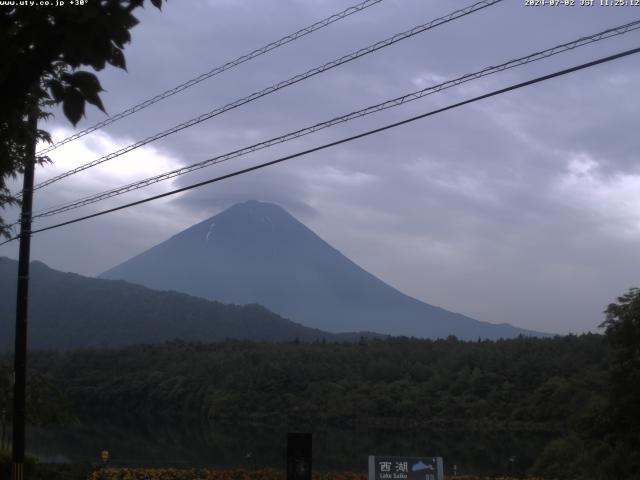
column 524, row 384
column 537, row 386
column 581, row 390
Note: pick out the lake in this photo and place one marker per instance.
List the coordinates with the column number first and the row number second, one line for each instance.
column 190, row 444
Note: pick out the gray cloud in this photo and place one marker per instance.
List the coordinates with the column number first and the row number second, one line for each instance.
column 516, row 209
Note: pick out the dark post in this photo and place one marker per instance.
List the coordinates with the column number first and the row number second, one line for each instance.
column 3, row 421
column 20, row 353
column 298, row 456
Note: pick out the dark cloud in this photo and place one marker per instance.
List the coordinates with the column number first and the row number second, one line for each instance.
column 517, row 209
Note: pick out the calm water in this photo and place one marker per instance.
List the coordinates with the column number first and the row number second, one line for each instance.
column 160, row 444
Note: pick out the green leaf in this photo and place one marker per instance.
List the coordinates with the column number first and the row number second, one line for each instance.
column 73, row 105
column 57, row 90
column 88, row 85
column 94, row 99
column 117, row 59
column 44, row 135
column 85, row 82
column 121, row 36
column 133, row 4
column 66, row 77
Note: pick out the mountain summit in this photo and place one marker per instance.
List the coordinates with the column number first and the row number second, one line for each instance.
column 256, row 252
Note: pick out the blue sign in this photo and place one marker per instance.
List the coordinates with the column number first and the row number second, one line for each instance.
column 405, row 468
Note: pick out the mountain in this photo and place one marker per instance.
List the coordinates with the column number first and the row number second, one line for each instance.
column 69, row 311
column 256, row 252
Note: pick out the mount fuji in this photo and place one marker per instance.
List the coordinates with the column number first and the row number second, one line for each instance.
column 256, row 252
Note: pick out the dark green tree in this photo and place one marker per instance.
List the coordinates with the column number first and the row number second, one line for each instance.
column 46, row 404
column 622, row 326
column 42, row 51
column 604, row 440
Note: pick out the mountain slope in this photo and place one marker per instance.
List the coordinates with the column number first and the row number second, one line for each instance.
column 257, row 253
column 70, row 311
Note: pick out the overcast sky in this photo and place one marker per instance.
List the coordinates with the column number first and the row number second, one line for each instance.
column 523, row 208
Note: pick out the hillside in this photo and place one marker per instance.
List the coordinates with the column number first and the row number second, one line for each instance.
column 256, row 252
column 69, row 311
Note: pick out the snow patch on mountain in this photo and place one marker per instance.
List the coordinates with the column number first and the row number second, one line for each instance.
column 208, row 235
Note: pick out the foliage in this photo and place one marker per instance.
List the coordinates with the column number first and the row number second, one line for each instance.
column 524, row 384
column 529, row 386
column 537, row 386
column 191, row 474
column 604, row 439
column 45, row 403
column 50, row 45
column 61, row 471
column 582, row 389
column 623, row 335
column 209, row 474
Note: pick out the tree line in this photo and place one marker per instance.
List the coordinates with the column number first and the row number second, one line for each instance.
column 582, row 390
column 531, row 384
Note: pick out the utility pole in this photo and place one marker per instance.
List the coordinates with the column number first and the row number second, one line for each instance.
column 22, row 303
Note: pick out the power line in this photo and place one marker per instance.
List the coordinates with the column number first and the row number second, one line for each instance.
column 295, row 79
column 216, row 71
column 347, row 139
column 611, row 32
